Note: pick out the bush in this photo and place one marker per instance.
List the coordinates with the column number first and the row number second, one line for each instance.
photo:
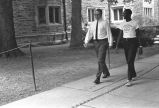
column 147, row 35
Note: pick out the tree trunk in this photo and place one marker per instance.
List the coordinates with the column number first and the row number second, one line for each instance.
column 7, row 32
column 76, row 33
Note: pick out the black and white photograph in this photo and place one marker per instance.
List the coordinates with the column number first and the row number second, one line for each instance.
column 79, row 53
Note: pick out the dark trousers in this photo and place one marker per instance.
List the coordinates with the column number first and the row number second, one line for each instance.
column 130, row 48
column 101, row 47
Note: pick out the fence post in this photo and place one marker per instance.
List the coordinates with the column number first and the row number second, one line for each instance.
column 32, row 64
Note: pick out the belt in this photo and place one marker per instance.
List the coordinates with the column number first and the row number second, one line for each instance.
column 106, row 39
column 129, row 38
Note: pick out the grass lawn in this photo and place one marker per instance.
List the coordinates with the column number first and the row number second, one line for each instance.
column 54, row 66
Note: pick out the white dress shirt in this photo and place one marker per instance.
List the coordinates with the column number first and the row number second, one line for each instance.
column 103, row 31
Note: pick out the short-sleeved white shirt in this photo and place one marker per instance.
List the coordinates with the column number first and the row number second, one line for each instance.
column 129, row 28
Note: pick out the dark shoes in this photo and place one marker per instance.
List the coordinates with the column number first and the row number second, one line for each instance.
column 133, row 76
column 106, row 75
column 97, row 81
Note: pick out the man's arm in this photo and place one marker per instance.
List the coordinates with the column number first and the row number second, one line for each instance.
column 140, row 50
column 138, row 36
column 88, row 37
column 110, row 37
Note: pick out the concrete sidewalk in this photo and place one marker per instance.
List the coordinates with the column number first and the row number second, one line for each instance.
column 111, row 93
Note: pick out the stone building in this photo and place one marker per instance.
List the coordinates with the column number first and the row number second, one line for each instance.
column 145, row 11
column 43, row 21
column 38, row 20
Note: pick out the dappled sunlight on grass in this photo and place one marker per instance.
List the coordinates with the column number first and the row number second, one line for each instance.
column 54, row 66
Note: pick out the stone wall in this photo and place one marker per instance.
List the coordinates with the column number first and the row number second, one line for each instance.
column 27, row 28
column 25, row 21
column 137, row 8
column 93, row 4
column 49, row 27
column 156, row 12
column 68, row 12
column 24, row 17
column 154, row 19
column 85, row 4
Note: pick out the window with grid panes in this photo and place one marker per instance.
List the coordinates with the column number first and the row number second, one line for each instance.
column 91, row 12
column 54, row 14
column 41, row 15
column 148, row 12
column 118, row 14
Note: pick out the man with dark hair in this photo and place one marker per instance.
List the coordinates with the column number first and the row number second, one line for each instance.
column 130, row 30
column 99, row 11
column 101, row 34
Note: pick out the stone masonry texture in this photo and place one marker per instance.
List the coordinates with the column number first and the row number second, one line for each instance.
column 27, row 28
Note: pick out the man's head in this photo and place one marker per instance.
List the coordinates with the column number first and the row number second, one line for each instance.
column 127, row 13
column 98, row 14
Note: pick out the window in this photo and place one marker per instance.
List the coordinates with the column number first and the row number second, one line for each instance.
column 148, row 12
column 41, row 15
column 91, row 15
column 117, row 13
column 120, row 14
column 54, row 14
column 49, row 15
column 149, row 1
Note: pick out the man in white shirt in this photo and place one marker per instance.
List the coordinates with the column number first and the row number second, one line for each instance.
column 101, row 34
column 130, row 29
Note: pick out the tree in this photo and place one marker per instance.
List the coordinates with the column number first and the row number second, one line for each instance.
column 7, row 32
column 76, row 33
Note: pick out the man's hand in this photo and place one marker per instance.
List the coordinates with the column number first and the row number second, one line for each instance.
column 85, row 45
column 110, row 47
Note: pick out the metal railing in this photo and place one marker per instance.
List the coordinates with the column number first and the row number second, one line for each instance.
column 31, row 59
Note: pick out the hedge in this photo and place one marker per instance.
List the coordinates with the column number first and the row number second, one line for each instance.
column 147, row 35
